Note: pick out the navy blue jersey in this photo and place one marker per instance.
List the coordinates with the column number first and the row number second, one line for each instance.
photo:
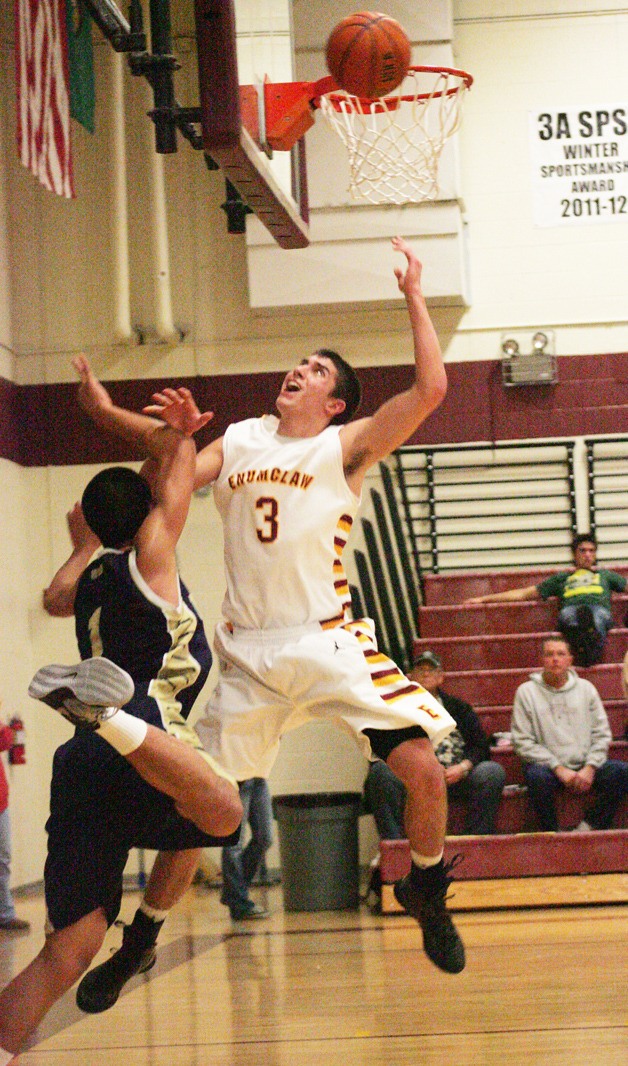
column 100, row 807
column 163, row 647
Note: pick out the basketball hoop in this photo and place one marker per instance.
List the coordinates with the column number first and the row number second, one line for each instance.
column 395, row 143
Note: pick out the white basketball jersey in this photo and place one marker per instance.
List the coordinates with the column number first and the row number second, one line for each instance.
column 287, row 512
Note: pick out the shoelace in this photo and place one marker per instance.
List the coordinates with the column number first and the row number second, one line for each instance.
column 440, row 894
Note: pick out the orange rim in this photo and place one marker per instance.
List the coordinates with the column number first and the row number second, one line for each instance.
column 391, row 103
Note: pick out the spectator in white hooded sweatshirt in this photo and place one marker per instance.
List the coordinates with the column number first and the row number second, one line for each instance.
column 560, row 730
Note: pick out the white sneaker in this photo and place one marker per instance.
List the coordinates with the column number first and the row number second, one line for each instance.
column 85, row 694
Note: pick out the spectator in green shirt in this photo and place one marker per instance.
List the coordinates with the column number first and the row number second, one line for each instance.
column 584, row 597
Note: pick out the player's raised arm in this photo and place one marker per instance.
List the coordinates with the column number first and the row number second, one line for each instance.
column 368, row 440
column 164, row 444
column 97, row 403
column 173, row 457
column 178, row 408
column 59, row 597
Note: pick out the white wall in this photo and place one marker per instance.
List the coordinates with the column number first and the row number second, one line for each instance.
column 527, row 56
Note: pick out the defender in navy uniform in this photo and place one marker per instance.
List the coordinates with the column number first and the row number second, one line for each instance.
column 162, row 646
column 127, row 778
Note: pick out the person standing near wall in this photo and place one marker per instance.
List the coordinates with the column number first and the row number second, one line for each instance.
column 241, row 863
column 9, row 921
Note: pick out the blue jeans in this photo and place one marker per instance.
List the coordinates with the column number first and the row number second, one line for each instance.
column 586, row 635
column 7, row 910
column 610, row 785
column 240, row 863
column 385, row 797
column 481, row 790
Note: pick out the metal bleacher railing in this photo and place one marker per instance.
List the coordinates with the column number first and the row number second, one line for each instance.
column 607, row 468
column 388, row 589
column 479, row 507
column 472, row 507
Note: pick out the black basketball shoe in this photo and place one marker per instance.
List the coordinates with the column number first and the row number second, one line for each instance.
column 100, row 988
column 426, row 902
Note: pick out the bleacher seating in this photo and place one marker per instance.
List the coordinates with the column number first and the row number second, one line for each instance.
column 490, row 650
column 487, row 651
column 440, row 587
column 515, row 855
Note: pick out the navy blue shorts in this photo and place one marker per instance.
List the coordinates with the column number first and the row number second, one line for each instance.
column 100, row 808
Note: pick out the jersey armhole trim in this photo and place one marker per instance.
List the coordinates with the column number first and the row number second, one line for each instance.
column 148, row 592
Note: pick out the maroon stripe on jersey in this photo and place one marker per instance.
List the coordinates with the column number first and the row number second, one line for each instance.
column 390, row 671
column 405, row 691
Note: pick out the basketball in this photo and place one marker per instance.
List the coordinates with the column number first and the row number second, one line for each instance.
column 368, row 54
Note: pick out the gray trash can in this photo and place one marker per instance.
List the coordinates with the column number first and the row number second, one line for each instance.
column 318, row 846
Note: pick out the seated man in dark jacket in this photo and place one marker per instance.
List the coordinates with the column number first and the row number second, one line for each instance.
column 464, row 755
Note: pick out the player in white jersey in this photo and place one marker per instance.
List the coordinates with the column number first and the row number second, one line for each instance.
column 268, row 489
column 287, row 489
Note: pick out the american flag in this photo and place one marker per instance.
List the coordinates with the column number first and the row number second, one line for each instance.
column 43, row 101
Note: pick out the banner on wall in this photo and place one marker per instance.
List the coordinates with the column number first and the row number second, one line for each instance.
column 43, row 102
column 579, row 164
column 80, row 63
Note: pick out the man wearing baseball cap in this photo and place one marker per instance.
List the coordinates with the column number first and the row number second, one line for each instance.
column 430, row 658
column 470, row 774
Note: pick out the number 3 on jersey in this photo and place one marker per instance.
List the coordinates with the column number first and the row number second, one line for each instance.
column 267, row 521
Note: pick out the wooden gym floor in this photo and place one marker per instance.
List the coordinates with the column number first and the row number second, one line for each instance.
column 542, row 986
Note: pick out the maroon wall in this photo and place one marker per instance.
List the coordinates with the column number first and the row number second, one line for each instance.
column 10, row 422
column 42, row 425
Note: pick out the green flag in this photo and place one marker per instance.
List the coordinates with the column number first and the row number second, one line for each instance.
column 81, row 63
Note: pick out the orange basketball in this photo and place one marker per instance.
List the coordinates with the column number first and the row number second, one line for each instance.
column 368, row 54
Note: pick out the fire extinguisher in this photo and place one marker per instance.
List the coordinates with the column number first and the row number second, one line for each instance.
column 17, row 751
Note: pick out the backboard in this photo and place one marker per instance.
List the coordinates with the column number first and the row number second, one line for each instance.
column 241, row 42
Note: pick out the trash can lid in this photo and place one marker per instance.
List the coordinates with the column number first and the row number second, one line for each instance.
column 318, row 799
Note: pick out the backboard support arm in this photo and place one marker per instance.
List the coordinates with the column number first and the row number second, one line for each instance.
column 157, row 67
column 245, row 189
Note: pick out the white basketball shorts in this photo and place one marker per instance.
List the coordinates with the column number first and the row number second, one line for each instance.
column 272, row 681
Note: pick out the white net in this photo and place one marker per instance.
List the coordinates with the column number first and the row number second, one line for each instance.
column 394, row 144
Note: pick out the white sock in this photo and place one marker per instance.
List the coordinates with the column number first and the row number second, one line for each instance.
column 423, row 861
column 124, row 732
column 6, row 1057
column 150, row 912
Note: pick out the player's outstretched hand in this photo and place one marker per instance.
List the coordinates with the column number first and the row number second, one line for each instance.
column 410, row 278
column 177, row 407
column 92, row 394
